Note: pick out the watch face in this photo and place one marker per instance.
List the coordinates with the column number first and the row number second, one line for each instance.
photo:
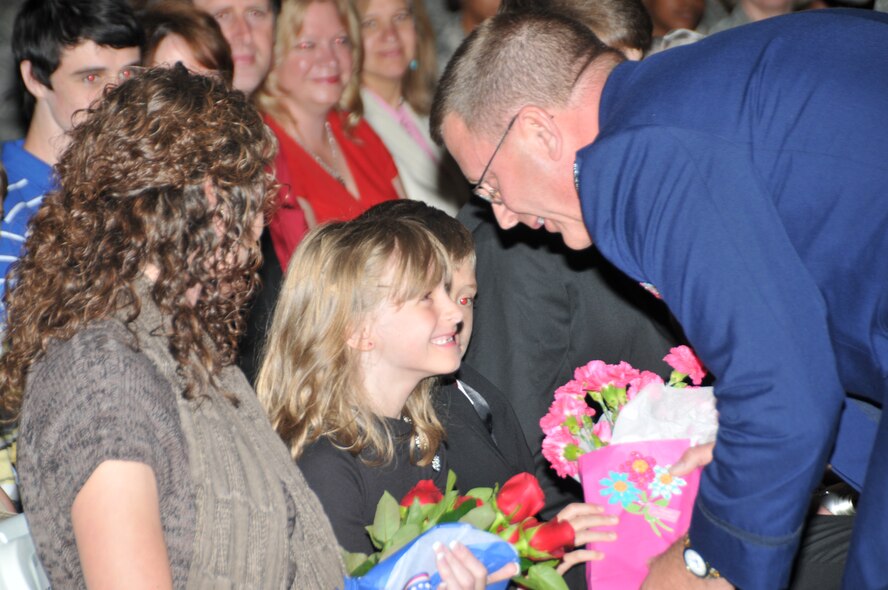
column 695, row 563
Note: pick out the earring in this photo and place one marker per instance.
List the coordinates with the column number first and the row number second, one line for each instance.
column 413, row 65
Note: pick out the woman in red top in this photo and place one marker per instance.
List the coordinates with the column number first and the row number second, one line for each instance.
column 331, row 164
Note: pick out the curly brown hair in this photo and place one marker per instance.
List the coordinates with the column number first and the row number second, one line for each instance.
column 169, row 170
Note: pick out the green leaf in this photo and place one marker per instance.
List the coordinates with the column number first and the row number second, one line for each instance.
column 405, row 534
column 541, row 577
column 572, row 425
column 387, row 520
column 596, row 397
column 597, row 442
column 437, row 510
column 483, row 494
column 451, row 481
column 415, row 514
column 353, row 561
column 654, row 527
column 525, row 564
column 549, row 563
column 610, row 396
column 633, row 508
column 662, row 502
column 480, row 517
column 365, row 567
column 676, row 379
column 457, row 513
column 572, row 452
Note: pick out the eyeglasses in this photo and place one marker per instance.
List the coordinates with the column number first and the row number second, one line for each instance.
column 485, row 191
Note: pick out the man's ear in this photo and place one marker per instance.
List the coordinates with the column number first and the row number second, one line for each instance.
column 360, row 339
column 538, row 126
column 37, row 88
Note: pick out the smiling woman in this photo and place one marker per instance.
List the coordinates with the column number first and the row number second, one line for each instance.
column 397, row 79
column 331, row 165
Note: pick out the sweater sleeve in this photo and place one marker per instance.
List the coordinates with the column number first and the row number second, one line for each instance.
column 698, row 226
column 89, row 400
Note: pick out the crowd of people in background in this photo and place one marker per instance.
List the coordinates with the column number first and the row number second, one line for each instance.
column 206, row 200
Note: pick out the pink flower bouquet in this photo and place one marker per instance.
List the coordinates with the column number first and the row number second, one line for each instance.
column 623, row 458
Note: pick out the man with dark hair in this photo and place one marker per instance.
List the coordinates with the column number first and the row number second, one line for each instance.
column 731, row 175
column 67, row 52
column 248, row 25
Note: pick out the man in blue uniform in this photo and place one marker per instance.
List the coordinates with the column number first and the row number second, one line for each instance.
column 744, row 177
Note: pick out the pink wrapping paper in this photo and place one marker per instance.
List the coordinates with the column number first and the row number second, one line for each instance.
column 630, row 481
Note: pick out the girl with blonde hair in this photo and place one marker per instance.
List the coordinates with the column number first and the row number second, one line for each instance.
column 362, row 325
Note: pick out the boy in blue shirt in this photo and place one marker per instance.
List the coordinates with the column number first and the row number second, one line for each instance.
column 67, row 52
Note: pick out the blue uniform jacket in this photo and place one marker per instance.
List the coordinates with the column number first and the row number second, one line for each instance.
column 746, row 177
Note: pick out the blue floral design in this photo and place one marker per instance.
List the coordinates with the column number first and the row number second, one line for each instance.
column 619, row 488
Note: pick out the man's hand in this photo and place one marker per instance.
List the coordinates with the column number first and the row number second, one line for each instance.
column 668, row 572
column 694, row 457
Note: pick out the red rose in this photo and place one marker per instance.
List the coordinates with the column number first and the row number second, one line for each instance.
column 521, row 497
column 552, row 537
column 463, row 499
column 425, row 491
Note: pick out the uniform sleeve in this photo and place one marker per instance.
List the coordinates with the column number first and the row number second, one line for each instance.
column 687, row 214
column 334, row 477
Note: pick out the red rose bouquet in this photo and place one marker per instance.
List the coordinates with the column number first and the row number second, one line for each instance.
column 508, row 512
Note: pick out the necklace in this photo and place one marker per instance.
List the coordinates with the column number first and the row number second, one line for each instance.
column 333, row 151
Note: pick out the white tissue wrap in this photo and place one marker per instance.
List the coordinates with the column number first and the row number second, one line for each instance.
column 660, row 412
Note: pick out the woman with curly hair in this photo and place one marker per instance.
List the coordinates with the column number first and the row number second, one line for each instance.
column 145, row 458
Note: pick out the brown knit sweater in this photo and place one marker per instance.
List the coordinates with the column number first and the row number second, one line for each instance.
column 235, row 510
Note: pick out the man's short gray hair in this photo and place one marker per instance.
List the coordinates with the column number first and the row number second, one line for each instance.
column 511, row 61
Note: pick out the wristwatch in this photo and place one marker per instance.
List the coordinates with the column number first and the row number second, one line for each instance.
column 695, row 563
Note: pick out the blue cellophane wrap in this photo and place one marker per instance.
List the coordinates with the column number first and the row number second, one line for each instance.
column 414, row 567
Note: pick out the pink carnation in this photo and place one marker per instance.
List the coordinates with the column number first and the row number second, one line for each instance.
column 644, row 379
column 602, row 430
column 572, row 387
column 553, row 450
column 683, row 360
column 563, row 407
column 597, row 374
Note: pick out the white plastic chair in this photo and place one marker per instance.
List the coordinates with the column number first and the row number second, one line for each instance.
column 20, row 567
